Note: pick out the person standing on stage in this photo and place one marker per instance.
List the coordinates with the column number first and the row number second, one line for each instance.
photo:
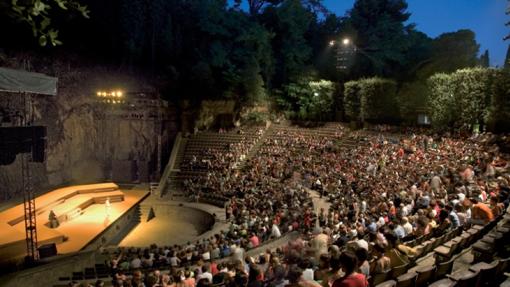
column 108, row 207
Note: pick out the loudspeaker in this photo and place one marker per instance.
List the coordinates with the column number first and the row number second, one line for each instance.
column 47, row 250
column 14, row 140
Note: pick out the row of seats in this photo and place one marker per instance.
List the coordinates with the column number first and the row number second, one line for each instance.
column 99, row 271
column 484, row 272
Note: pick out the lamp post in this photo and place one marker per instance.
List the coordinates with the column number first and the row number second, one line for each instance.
column 346, row 49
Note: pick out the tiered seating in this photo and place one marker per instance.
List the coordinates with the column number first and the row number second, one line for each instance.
column 485, row 270
column 208, row 151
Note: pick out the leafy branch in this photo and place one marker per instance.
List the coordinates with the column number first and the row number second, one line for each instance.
column 37, row 14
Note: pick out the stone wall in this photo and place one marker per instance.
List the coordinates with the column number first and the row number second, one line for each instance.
column 84, row 137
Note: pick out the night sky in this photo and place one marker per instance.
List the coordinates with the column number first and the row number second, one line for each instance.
column 485, row 17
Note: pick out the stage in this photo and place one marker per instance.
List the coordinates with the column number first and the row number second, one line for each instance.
column 83, row 213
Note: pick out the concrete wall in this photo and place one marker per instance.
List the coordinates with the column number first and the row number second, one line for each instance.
column 48, row 274
column 200, row 219
column 119, row 228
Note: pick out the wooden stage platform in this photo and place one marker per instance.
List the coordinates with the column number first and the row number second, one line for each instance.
column 81, row 211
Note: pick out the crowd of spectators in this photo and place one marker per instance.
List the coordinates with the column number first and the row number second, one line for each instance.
column 383, row 192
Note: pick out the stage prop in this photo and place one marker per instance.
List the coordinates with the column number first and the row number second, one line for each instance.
column 69, row 217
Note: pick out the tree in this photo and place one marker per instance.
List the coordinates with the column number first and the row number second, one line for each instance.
column 289, row 23
column 498, row 117
column 308, row 98
column 372, row 100
column 473, row 94
column 352, row 100
column 506, row 65
column 442, row 106
column 507, row 23
column 255, row 7
column 381, row 36
column 39, row 16
column 450, row 52
column 462, row 99
column 484, row 59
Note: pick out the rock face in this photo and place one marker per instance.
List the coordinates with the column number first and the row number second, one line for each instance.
column 85, row 137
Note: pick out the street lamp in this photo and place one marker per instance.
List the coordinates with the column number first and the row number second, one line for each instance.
column 346, row 41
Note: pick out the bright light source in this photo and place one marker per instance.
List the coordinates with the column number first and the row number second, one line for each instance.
column 119, row 94
column 98, row 94
column 346, row 41
column 331, row 43
column 316, row 94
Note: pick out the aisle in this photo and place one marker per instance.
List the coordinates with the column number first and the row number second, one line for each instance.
column 318, row 202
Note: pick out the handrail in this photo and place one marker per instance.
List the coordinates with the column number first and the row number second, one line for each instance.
column 170, row 165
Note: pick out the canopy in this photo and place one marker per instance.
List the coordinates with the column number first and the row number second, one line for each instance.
column 18, row 81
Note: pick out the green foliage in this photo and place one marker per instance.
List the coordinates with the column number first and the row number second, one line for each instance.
column 352, row 100
column 37, row 14
column 507, row 59
column 381, row 33
column 255, row 6
column 289, row 23
column 372, row 100
column 254, row 118
column 450, row 52
column 308, row 99
column 463, row 99
column 498, row 116
column 484, row 59
column 412, row 99
column 442, row 104
column 473, row 89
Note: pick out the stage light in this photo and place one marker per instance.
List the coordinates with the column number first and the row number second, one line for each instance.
column 98, row 94
column 119, row 94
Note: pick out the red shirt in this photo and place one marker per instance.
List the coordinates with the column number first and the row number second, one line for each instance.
column 353, row 280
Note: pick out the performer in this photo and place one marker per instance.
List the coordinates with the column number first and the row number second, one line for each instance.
column 108, row 207
column 53, row 219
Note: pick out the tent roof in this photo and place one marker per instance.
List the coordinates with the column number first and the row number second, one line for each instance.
column 18, row 81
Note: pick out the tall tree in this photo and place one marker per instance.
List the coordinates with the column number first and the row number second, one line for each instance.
column 380, row 35
column 507, row 58
column 290, row 23
column 507, row 23
column 484, row 59
column 256, row 7
column 450, row 52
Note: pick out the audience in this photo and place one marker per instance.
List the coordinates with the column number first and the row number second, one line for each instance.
column 384, row 192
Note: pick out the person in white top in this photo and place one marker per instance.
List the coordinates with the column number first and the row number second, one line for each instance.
column 205, row 274
column 408, row 228
column 275, row 231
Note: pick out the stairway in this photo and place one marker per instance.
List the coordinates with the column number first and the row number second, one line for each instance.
column 348, row 143
column 144, row 210
column 180, row 154
column 255, row 148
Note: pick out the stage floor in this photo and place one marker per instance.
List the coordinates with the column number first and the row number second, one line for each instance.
column 88, row 218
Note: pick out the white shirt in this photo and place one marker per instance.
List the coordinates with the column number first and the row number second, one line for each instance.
column 308, row 274
column 362, row 243
column 408, row 228
column 207, row 275
column 275, row 231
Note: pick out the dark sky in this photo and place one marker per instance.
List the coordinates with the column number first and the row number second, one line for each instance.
column 485, row 17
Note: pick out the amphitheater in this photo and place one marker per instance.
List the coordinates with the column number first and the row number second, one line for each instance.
column 221, row 190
